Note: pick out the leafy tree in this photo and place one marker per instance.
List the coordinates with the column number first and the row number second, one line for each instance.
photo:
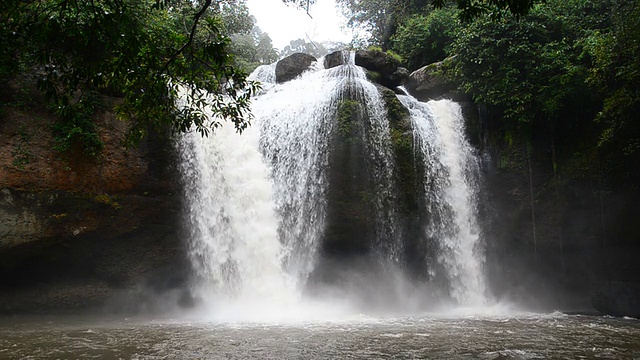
column 302, row 46
column 470, row 10
column 236, row 18
column 151, row 53
column 422, row 39
column 265, row 52
column 253, row 49
column 529, row 68
column 381, row 18
column 616, row 72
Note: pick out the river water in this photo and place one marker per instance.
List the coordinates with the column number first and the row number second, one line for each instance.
column 457, row 336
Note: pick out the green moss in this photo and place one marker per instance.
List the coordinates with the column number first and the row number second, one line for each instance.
column 402, row 142
column 107, row 200
column 390, row 53
column 394, row 56
column 60, row 216
column 397, row 113
column 347, row 111
column 373, row 76
column 22, row 155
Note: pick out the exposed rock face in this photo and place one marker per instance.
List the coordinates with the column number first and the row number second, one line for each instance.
column 584, row 233
column 426, row 83
column 292, row 66
column 386, row 69
column 64, row 251
column 336, row 58
column 79, row 232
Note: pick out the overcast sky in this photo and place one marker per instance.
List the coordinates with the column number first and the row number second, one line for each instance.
column 285, row 23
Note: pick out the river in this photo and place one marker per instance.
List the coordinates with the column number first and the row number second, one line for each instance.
column 458, row 336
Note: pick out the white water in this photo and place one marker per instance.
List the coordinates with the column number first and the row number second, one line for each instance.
column 451, row 190
column 232, row 223
column 256, row 203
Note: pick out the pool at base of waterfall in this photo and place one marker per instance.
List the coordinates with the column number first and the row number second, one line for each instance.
column 459, row 336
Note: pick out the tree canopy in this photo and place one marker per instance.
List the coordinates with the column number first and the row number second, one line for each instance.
column 156, row 55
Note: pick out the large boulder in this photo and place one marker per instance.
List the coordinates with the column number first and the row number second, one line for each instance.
column 383, row 68
column 427, row 82
column 292, row 66
column 336, row 58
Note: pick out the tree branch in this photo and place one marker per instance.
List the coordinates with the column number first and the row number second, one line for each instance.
column 192, row 34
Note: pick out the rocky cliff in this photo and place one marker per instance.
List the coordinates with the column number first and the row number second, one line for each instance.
column 78, row 231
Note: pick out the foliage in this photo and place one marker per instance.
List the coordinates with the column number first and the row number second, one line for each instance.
column 347, row 111
column 616, row 71
column 392, row 54
column 105, row 199
column 303, row 46
column 380, row 18
column 253, row 49
column 75, row 126
column 422, row 39
column 532, row 68
column 22, row 155
column 236, row 18
column 250, row 46
column 496, row 9
column 151, row 53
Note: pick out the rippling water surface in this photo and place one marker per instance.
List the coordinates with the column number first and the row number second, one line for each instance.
column 525, row 336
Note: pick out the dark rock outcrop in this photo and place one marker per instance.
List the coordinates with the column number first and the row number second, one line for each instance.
column 618, row 299
column 336, row 58
column 384, row 69
column 292, row 66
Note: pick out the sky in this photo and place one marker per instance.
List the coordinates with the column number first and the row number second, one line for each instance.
column 285, row 23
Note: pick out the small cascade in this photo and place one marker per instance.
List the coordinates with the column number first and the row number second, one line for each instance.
column 451, row 186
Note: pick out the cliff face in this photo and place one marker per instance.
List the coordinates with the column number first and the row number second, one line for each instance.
column 558, row 238
column 84, row 232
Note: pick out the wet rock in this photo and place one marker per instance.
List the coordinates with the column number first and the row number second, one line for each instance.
column 427, row 83
column 292, row 66
column 385, row 68
column 336, row 58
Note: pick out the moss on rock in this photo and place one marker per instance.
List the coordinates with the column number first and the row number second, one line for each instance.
column 347, row 114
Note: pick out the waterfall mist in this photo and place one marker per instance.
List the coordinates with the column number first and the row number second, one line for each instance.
column 298, row 216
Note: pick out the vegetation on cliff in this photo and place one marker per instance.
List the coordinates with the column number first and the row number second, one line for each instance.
column 149, row 53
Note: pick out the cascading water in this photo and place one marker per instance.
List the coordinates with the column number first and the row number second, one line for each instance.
column 234, row 245
column 451, row 173
column 259, row 204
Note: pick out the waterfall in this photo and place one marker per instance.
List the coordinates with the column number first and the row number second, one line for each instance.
column 258, row 205
column 294, row 120
column 451, row 185
column 231, row 219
